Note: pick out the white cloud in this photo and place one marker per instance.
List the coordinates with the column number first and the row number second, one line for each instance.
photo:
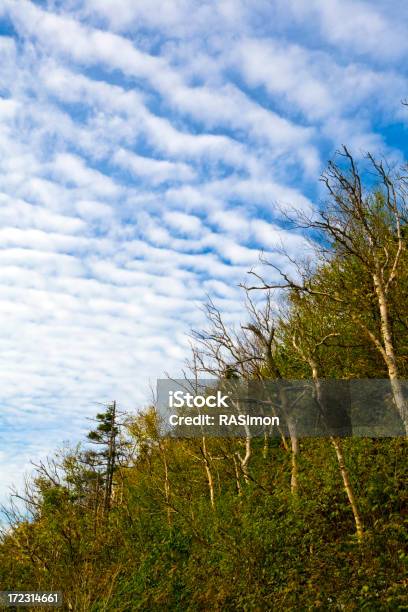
column 186, row 224
column 72, row 169
column 226, row 105
column 357, row 26
column 92, row 210
column 156, row 170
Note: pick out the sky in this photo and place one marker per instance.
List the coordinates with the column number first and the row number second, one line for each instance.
column 147, row 150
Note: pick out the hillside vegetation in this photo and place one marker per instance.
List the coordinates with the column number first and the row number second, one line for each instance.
column 132, row 520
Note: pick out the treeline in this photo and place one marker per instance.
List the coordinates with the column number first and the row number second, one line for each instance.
column 136, row 521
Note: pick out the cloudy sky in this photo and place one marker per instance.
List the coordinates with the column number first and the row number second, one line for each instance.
column 146, row 148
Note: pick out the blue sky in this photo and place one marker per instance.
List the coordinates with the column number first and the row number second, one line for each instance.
column 146, row 149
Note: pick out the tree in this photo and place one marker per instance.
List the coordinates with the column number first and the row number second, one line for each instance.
column 360, row 236
column 106, row 435
column 307, row 332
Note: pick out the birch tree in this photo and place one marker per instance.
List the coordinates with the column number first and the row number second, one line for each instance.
column 361, row 253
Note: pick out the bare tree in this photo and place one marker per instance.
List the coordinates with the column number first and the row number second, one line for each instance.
column 364, row 228
column 263, row 327
column 308, row 349
column 249, row 354
column 223, row 353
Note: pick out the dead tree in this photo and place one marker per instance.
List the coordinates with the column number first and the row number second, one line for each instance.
column 308, row 352
column 364, row 228
column 263, row 328
column 219, row 351
column 248, row 354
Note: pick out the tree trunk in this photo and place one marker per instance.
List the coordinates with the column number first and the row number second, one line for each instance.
column 265, row 445
column 294, row 441
column 340, row 458
column 347, row 486
column 166, row 485
column 237, row 480
column 110, row 468
column 244, row 460
column 389, row 352
column 208, row 472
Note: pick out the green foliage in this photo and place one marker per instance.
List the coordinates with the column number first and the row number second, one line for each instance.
column 259, row 550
